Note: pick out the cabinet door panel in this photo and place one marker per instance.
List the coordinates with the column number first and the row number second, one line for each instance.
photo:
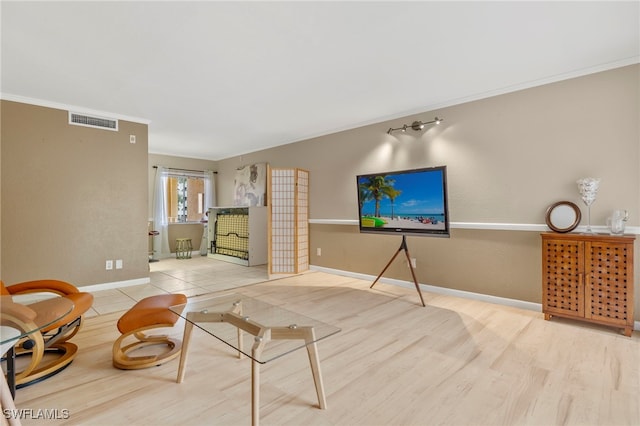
column 606, row 291
column 563, row 278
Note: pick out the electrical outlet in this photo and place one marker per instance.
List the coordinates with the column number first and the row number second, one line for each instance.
column 413, row 262
column 109, row 265
column 319, row 251
column 119, row 264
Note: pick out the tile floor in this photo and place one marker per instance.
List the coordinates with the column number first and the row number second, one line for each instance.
column 198, row 275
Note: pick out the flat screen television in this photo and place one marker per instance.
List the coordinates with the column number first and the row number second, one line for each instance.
column 407, row 202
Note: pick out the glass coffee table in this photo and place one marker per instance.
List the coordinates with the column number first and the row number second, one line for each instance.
column 261, row 331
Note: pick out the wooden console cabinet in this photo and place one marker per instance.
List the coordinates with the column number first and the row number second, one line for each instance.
column 588, row 277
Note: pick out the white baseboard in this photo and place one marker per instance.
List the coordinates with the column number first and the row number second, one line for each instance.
column 515, row 303
column 34, row 297
column 115, row 284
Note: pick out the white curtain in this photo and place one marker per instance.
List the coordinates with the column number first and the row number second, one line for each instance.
column 209, row 190
column 209, row 201
column 160, row 221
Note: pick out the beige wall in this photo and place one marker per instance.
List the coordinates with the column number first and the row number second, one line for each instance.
column 72, row 197
column 508, row 158
column 502, row 263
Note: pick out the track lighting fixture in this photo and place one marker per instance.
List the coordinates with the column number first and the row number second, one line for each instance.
column 416, row 125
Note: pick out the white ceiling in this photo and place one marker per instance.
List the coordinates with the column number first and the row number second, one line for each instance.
column 218, row 79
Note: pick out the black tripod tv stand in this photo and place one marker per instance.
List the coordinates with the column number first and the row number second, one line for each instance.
column 403, row 247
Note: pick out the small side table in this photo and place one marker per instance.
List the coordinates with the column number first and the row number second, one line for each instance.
column 183, row 248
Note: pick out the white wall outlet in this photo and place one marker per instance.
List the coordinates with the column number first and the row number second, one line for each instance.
column 413, row 262
column 119, row 264
column 109, row 265
column 319, row 251
column 132, row 138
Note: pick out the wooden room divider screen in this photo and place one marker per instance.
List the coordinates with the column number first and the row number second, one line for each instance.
column 288, row 220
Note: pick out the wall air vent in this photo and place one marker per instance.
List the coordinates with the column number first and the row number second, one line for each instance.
column 93, row 121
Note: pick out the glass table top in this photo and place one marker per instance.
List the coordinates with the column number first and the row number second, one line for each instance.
column 19, row 320
column 243, row 322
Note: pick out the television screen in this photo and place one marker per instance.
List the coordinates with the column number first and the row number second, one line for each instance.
column 411, row 202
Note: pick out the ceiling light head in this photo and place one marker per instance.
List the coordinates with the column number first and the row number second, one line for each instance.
column 416, row 125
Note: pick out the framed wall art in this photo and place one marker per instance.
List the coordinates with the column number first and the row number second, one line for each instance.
column 250, row 185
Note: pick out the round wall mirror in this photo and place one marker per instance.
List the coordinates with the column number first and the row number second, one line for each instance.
column 563, row 216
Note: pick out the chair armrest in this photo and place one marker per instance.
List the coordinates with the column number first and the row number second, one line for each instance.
column 38, row 286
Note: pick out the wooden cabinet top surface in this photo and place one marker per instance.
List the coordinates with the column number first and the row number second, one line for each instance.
column 627, row 238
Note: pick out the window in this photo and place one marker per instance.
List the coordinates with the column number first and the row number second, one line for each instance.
column 185, row 198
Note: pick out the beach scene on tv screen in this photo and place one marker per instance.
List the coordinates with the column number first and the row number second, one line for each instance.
column 412, row 200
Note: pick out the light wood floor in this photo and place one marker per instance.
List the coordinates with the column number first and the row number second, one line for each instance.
column 455, row 362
